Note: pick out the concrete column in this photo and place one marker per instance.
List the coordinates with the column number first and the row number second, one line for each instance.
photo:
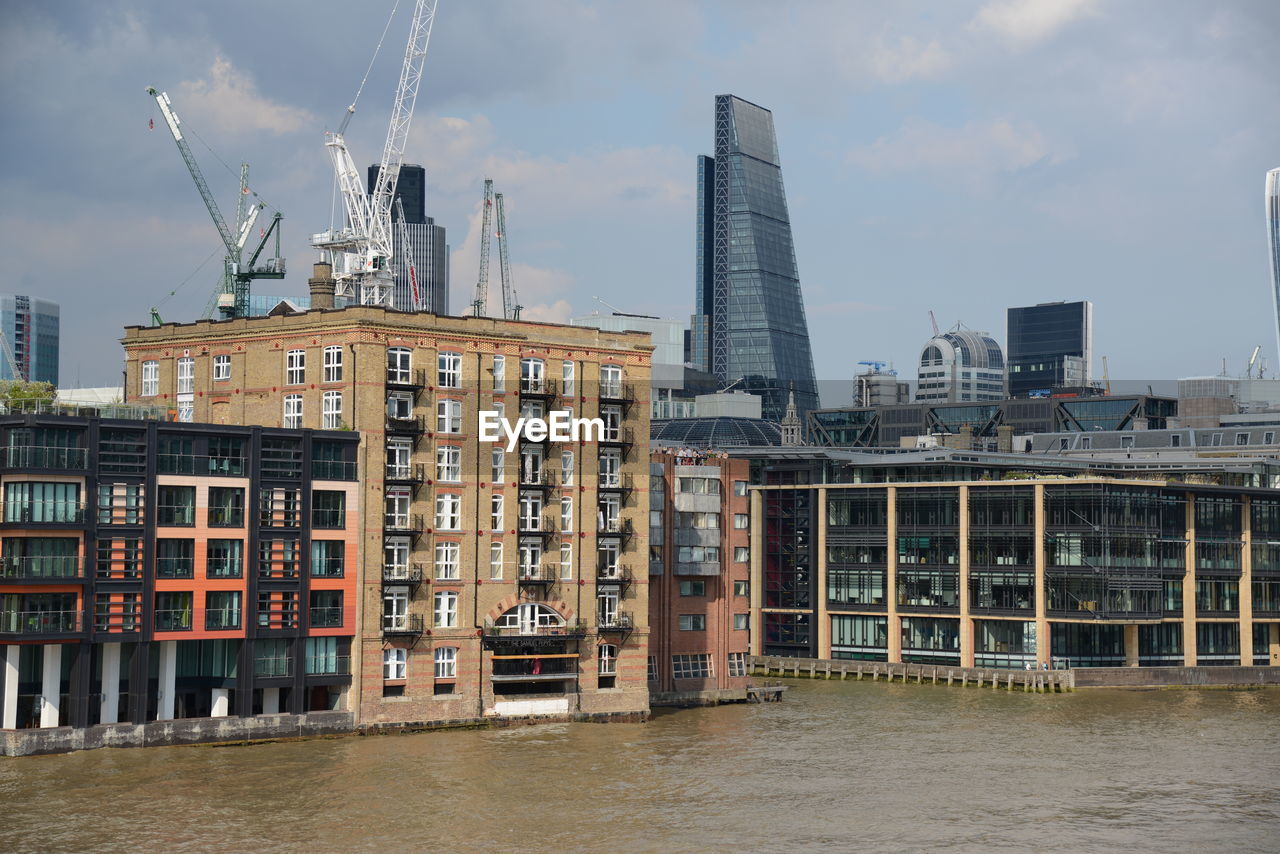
column 1246, row 582
column 1044, row 645
column 966, row 621
column 757, row 573
column 824, row 619
column 221, row 703
column 1189, row 588
column 168, row 680
column 891, row 575
column 110, row 684
column 51, row 685
column 1131, row 646
column 271, row 701
column 9, row 709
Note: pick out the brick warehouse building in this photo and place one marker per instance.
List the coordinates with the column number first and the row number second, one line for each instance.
column 153, row 572
column 699, row 566
column 493, row 583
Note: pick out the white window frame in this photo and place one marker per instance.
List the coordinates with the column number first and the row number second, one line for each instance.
column 295, row 367
column 607, row 602
column 399, row 453
column 399, row 404
column 448, row 511
column 187, row 410
column 446, row 658
column 529, row 559
column 448, row 416
column 610, row 468
column 566, row 468
column 495, row 560
column 399, row 364
column 395, row 607
column 331, row 410
column 449, row 464
column 499, row 373
column 397, row 503
column 607, row 654
column 221, row 367
column 566, row 513
column 150, row 378
column 292, row 411
column 395, row 663
column 741, row 554
column 497, row 465
column 448, row 561
column 497, row 512
column 395, row 557
column 741, row 521
column 737, row 664
column 445, row 609
column 566, row 561
column 692, row 622
column 568, row 375
column 533, row 375
column 186, row 375
column 333, row 363
column 448, row 369
column 611, row 381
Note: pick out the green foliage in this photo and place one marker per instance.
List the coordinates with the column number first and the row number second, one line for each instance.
column 14, row 390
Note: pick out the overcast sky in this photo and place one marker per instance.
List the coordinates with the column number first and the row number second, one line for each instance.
column 961, row 157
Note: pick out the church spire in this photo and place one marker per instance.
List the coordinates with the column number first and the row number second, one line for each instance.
column 791, row 433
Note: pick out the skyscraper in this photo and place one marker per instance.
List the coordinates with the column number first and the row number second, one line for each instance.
column 30, row 327
column 426, row 240
column 1273, row 242
column 1050, row 347
column 749, row 328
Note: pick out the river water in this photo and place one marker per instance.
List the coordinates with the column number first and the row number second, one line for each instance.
column 838, row 766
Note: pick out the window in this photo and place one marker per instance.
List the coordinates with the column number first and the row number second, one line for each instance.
column 608, row 657
column 173, row 612
column 1216, row 440
column 612, row 418
column 698, row 520
column 186, row 411
column 395, row 558
column 496, row 521
column 607, row 607
column 1064, row 443
column 279, row 507
column 607, row 553
column 741, row 588
column 398, row 451
column 693, row 588
column 176, row 505
column 277, row 558
column 497, row 463
column 567, row 375
column 1269, row 438
column 396, row 508
column 449, row 464
column 741, row 622
column 737, row 664
column 333, row 364
column 566, row 513
column 222, row 610
column 1175, row 440
column 326, row 609
column 530, row 558
column 1126, row 441
column 652, row 668
column 698, row 485
column 499, row 373
column 610, row 468
column 449, row 370
column 398, row 365
column 739, row 487
column 741, row 521
column 566, row 468
column 118, row 504
column 696, row 666
column 495, row 561
column 530, row 511
column 532, row 376
column 175, row 558
column 611, row 381
column 293, row 411
column 446, row 609
column 395, row 608
column 447, row 662
column 447, row 561
column 295, row 367
column 150, row 378
column 741, row 554
column 1242, row 438
column 328, row 509
column 186, row 375
column 224, row 559
column 693, row 622
column 566, row 560
column 448, row 511
column 698, row 554
column 326, row 558
column 226, row 507
column 393, row 663
column 400, row 405
column 448, row 416
column 221, row 368
column 331, row 411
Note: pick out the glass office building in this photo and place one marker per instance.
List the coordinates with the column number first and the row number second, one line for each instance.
column 31, row 329
column 1050, row 347
column 749, row 327
column 1273, row 240
column 427, row 242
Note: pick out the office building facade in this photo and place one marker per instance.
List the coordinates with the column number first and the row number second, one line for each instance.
column 1272, row 201
column 31, row 330
column 749, row 328
column 427, row 242
column 1050, row 347
column 154, row 572
column 960, row 366
column 496, row 581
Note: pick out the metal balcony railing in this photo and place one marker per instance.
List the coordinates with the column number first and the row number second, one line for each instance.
column 412, row 473
column 619, row 622
column 414, row 425
column 221, row 619
column 273, row 667
column 173, row 620
column 402, row 624
column 333, row 470
column 200, row 465
column 539, row 387
column 45, row 457
column 39, row 622
column 414, row 378
column 411, row 575
column 411, row 524
column 326, row 618
column 53, row 568
column 42, row 512
column 328, row 665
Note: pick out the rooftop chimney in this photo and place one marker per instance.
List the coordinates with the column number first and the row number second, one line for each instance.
column 322, row 285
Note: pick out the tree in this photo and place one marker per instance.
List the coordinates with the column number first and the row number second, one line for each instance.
column 16, row 390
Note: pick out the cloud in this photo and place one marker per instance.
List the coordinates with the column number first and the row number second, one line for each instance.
column 1024, row 23
column 229, row 99
column 909, row 59
column 976, row 151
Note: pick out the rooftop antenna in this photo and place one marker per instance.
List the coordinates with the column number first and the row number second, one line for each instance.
column 613, row 308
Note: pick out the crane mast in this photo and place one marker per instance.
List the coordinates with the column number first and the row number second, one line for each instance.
column 405, row 258
column 480, row 305
column 510, row 308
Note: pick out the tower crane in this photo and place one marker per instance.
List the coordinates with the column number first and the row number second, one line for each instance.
column 510, row 308
column 233, row 295
column 362, row 252
column 406, row 256
column 480, row 305
column 15, row 370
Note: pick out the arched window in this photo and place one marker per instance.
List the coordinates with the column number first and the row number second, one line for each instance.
column 528, row 618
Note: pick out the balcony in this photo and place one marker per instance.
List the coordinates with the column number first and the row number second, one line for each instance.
column 539, row 526
column 543, row 387
column 333, row 470
column 412, row 425
column 413, row 474
column 273, row 668
column 624, row 393
column 621, row 436
column 44, row 513
column 615, row 482
column 326, row 567
column 617, row 576
column 200, row 465
column 542, row 637
column 394, row 625
column 278, row 571
column 614, row 527
column 326, row 618
column 539, row 578
column 328, row 665
column 534, row 669
column 41, row 569
column 619, row 622
column 222, row 619
column 541, row 478
column 413, row 380
column 396, row 524
column 39, row 622
column 394, row 575
column 173, row 620
column 44, row 457
column 122, row 618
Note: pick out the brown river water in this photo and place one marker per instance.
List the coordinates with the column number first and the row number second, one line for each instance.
column 835, row 766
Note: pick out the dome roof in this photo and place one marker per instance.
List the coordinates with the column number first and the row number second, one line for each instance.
column 723, row 431
column 971, row 349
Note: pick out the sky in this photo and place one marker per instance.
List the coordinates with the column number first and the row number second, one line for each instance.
column 959, row 157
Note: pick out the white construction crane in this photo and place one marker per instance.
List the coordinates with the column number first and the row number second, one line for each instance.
column 480, row 305
column 15, row 370
column 362, row 252
column 510, row 307
column 405, row 259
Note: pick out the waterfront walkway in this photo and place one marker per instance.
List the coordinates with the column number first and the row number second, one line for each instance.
column 1038, row 681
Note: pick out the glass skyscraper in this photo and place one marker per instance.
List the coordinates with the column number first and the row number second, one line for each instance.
column 1050, row 347
column 1273, row 242
column 426, row 239
column 31, row 330
column 749, row 329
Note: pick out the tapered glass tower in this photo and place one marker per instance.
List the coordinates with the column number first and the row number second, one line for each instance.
column 1273, row 242
column 749, row 329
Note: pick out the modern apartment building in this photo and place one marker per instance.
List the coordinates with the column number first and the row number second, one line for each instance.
column 964, row 559
column 699, row 566
column 497, row 578
column 31, row 329
column 153, row 572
